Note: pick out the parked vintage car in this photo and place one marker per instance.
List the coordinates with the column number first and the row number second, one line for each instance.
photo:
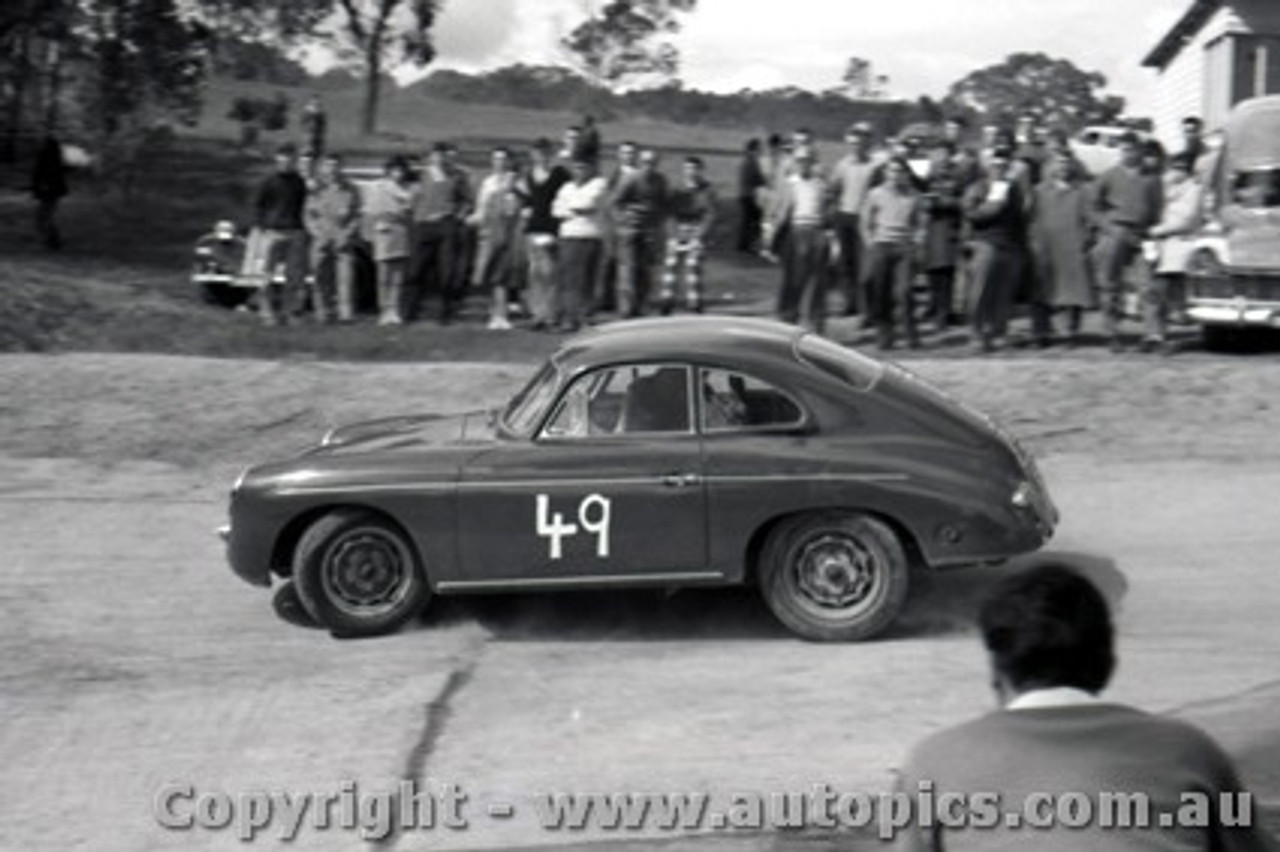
column 1233, row 275
column 671, row 452
column 1097, row 147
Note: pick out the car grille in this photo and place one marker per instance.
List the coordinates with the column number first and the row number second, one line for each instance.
column 1254, row 288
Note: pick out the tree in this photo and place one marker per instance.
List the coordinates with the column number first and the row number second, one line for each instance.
column 374, row 37
column 629, row 39
column 1054, row 91
column 861, row 83
column 380, row 35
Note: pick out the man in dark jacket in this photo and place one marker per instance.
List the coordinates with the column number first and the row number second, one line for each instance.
column 278, row 217
column 751, row 180
column 996, row 209
column 49, row 185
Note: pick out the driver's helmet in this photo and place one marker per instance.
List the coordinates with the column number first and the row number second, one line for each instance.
column 224, row 230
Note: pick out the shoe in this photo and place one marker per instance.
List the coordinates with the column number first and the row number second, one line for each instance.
column 497, row 323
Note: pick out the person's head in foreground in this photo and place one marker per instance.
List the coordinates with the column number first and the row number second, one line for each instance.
column 1047, row 628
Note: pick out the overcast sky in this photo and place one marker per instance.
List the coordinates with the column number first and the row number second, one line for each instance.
column 922, row 45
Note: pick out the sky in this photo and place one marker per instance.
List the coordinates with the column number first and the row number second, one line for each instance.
column 923, row 46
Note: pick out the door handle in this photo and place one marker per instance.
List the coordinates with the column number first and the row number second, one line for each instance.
column 680, row 480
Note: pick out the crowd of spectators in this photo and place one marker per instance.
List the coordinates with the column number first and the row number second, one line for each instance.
column 546, row 232
column 911, row 236
column 948, row 232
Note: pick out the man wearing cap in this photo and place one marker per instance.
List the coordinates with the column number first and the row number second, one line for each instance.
column 803, row 211
column 851, row 180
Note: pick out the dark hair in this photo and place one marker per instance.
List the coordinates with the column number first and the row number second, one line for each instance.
column 440, row 148
column 753, row 146
column 543, row 144
column 1193, row 120
column 287, row 149
column 775, row 140
column 694, row 160
column 1128, row 138
column 1049, row 626
column 396, row 161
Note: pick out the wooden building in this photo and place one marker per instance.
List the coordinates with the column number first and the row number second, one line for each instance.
column 1219, row 53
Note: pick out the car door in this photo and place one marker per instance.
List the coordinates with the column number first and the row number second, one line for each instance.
column 610, row 490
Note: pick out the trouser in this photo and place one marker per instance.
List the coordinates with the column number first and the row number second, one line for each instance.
column 803, row 295
column 682, row 261
column 849, row 234
column 891, row 278
column 604, row 289
column 433, row 268
column 1119, row 251
column 494, row 256
column 283, row 250
column 333, row 272
column 750, row 217
column 634, row 249
column 541, row 250
column 1155, row 304
column 46, row 224
column 941, row 295
column 579, row 266
column 995, row 271
column 391, row 278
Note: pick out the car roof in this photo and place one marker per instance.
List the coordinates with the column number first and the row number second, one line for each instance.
column 693, row 338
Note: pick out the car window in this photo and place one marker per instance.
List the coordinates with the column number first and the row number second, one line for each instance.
column 848, row 366
column 626, row 400
column 1256, row 188
column 527, row 407
column 736, row 402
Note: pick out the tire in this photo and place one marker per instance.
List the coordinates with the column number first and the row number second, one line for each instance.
column 834, row 576
column 358, row 574
column 224, row 295
column 1218, row 338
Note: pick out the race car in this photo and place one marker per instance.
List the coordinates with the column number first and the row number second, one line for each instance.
column 665, row 452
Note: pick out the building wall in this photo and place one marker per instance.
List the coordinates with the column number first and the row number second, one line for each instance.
column 1196, row 81
column 1217, row 67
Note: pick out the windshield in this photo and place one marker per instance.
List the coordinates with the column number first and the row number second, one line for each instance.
column 1256, row 188
column 846, row 365
column 527, row 407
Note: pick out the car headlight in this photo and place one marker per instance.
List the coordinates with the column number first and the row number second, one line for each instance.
column 1021, row 497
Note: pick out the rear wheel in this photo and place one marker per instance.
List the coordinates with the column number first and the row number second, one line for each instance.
column 835, row 576
column 358, row 574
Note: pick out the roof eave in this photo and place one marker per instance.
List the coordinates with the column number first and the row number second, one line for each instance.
column 1186, row 28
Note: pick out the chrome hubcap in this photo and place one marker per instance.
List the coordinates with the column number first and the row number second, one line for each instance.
column 367, row 572
column 836, row 572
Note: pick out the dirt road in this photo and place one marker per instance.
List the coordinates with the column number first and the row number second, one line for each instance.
column 131, row 660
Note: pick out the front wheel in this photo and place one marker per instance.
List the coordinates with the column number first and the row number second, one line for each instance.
column 835, row 576
column 358, row 574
